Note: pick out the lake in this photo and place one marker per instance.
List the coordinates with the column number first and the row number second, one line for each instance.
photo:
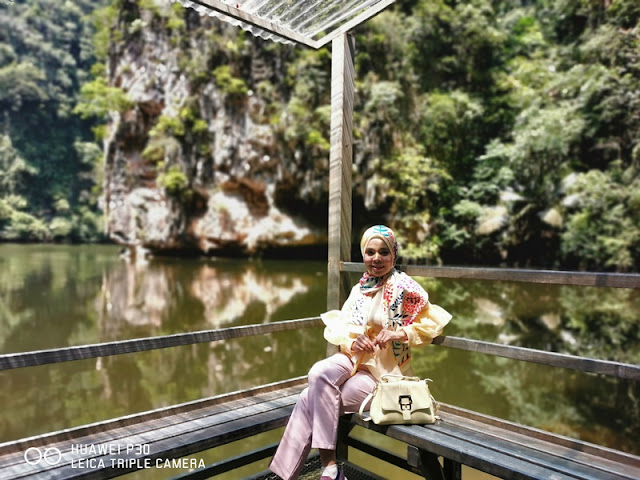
column 55, row 296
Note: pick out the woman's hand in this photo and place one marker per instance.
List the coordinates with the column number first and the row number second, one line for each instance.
column 385, row 336
column 362, row 344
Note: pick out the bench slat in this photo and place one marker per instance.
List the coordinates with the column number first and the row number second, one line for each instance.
column 615, row 456
column 295, row 384
column 551, row 460
column 174, row 436
column 593, row 456
column 511, row 451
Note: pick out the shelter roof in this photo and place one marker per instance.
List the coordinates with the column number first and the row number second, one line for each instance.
column 313, row 23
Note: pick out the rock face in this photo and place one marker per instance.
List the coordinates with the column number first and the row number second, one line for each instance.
column 193, row 165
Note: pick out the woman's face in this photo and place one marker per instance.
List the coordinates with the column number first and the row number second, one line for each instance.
column 378, row 258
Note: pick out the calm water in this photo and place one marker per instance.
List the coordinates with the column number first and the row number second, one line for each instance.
column 57, row 296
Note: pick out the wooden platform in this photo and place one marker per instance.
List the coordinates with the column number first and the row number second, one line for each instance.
column 116, row 447
column 113, row 448
column 504, row 449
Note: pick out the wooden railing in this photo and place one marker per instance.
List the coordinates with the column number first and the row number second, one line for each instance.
column 584, row 279
column 604, row 367
column 82, row 352
column 57, row 355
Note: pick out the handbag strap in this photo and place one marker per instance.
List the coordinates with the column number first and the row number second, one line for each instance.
column 363, row 404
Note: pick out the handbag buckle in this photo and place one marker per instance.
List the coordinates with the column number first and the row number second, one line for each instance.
column 405, row 402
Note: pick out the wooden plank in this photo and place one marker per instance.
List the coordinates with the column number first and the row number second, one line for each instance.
column 589, row 365
column 546, row 450
column 543, row 461
column 500, row 458
column 173, row 436
column 475, row 456
column 251, row 410
column 585, row 279
column 340, row 165
column 83, row 352
column 580, row 452
column 175, row 444
column 286, row 387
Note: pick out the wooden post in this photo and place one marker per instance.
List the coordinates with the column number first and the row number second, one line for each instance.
column 452, row 469
column 340, row 164
column 344, row 428
column 426, row 462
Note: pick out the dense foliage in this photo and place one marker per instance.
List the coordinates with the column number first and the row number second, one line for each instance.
column 493, row 131
column 49, row 161
column 520, row 121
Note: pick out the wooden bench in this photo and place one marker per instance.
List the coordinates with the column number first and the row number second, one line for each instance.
column 115, row 447
column 504, row 449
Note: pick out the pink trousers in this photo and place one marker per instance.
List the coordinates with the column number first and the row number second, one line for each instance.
column 314, row 420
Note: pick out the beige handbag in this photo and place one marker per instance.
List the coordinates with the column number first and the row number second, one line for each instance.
column 401, row 400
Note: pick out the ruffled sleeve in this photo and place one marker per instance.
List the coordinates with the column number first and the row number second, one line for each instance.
column 427, row 325
column 422, row 320
column 339, row 329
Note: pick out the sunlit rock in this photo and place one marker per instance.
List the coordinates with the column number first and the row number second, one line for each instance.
column 492, row 220
column 232, row 220
column 510, row 196
column 571, row 200
column 140, row 220
column 568, row 337
column 507, row 339
column 551, row 217
column 488, row 312
column 551, row 320
column 233, row 172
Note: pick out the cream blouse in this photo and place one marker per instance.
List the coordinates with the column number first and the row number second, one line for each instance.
column 401, row 304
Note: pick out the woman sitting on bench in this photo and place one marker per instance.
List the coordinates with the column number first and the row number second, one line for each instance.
column 386, row 313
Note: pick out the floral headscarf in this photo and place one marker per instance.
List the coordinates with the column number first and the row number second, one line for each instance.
column 370, row 284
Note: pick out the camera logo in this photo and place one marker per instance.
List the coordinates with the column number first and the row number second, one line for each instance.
column 50, row 455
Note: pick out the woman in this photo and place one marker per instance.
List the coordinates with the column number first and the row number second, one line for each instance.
column 386, row 313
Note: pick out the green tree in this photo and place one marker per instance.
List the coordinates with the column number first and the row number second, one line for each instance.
column 45, row 55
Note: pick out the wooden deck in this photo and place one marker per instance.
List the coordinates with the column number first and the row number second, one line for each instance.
column 461, row 437
column 113, row 448
column 498, row 447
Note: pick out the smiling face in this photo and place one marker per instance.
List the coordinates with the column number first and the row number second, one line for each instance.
column 378, row 258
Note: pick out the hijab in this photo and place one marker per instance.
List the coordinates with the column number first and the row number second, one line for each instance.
column 369, row 284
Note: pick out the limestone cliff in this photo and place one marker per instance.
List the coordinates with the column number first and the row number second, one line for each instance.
column 210, row 156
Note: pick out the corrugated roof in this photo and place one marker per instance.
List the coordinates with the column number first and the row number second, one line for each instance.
column 309, row 22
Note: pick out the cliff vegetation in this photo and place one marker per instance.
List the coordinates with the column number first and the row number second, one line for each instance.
column 488, row 132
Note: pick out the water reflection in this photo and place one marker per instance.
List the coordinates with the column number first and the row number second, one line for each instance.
column 54, row 296
column 172, row 296
column 92, row 296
